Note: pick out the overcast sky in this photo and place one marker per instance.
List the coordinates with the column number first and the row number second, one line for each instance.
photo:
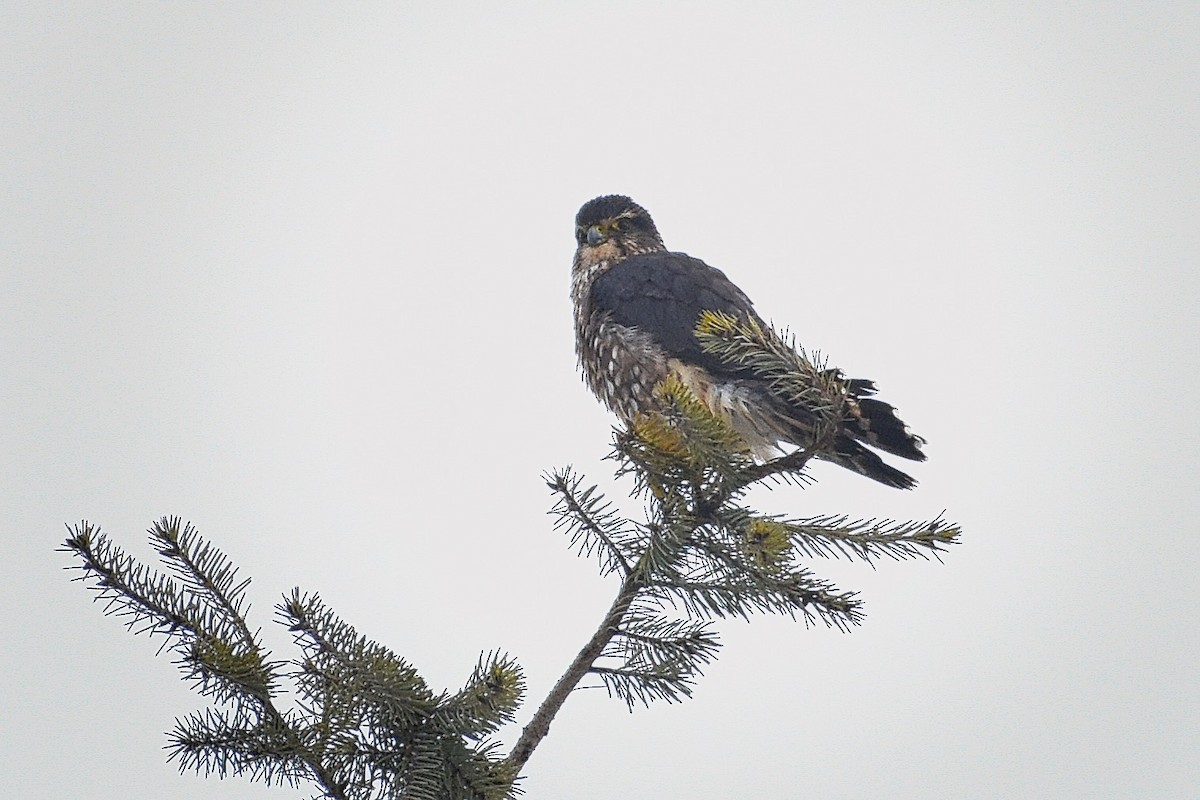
column 298, row 273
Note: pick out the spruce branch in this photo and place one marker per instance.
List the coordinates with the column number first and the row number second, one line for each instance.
column 539, row 725
column 199, row 619
column 778, row 359
column 207, row 574
column 592, row 522
column 212, row 741
column 659, row 658
column 870, row 539
column 365, row 725
column 488, row 701
column 698, row 552
column 146, row 601
column 645, row 685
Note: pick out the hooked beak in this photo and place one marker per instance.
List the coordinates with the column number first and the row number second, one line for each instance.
column 594, row 235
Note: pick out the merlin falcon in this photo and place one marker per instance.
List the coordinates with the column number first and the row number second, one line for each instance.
column 636, row 309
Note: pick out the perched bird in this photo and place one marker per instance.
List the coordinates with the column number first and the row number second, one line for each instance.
column 636, row 309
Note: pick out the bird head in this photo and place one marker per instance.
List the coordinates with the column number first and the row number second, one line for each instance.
column 613, row 227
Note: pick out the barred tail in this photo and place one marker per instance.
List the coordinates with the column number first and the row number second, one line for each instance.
column 877, row 425
column 874, row 422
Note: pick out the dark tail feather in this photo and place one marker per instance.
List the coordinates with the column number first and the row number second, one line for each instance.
column 868, row 423
column 853, row 456
column 876, row 424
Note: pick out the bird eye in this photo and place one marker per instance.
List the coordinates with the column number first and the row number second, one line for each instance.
column 616, row 225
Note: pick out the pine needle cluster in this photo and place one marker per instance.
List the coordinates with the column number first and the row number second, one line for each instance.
column 365, row 725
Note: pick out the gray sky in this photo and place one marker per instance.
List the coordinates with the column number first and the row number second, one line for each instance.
column 298, row 273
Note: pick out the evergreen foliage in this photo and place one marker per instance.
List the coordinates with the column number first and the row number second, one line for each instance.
column 365, row 725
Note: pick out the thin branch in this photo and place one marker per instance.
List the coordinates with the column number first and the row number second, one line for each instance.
column 333, row 789
column 579, row 513
column 792, row 462
column 868, row 539
column 213, row 579
column 539, row 725
column 122, row 582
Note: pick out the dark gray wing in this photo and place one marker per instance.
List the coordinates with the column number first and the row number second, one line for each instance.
column 663, row 295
